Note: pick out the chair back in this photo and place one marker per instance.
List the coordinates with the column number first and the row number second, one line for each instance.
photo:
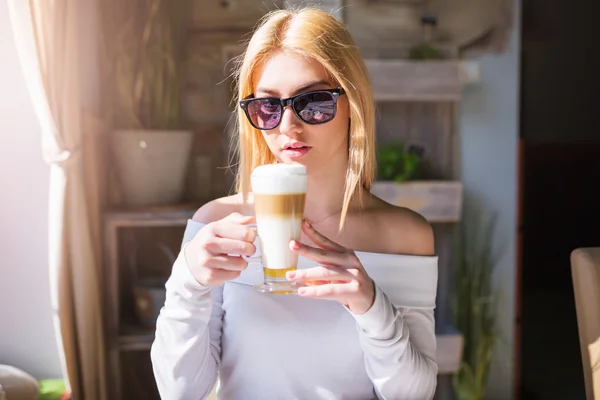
column 585, row 270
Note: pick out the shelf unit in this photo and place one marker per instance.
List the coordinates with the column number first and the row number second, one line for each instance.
column 124, row 335
column 419, row 99
column 394, row 82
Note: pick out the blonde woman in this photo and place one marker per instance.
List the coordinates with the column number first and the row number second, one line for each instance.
column 376, row 338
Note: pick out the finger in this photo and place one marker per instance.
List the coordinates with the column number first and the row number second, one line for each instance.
column 322, row 256
column 229, row 263
column 234, row 231
column 330, row 290
column 321, row 273
column 218, row 245
column 218, row 276
column 320, row 240
column 238, row 218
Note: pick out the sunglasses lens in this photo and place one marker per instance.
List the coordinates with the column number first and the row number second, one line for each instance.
column 264, row 113
column 315, row 108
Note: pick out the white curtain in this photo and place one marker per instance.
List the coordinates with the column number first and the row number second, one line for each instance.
column 50, row 37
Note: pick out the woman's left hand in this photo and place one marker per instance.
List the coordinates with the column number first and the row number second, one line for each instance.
column 340, row 275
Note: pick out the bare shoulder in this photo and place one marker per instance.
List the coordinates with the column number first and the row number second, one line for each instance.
column 218, row 209
column 403, row 231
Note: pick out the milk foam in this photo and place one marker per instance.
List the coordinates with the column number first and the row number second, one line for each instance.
column 279, row 179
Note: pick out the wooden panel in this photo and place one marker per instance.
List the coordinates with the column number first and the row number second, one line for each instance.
column 444, row 245
column 208, row 166
column 151, row 216
column 401, row 80
column 334, row 7
column 426, row 124
column 208, row 92
column 444, row 389
column 133, row 336
column 112, row 314
column 437, row 201
column 209, row 106
column 138, row 378
column 380, row 27
column 229, row 14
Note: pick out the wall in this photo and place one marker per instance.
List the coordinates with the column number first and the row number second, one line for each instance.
column 559, row 99
column 488, row 127
column 27, row 338
column 488, row 138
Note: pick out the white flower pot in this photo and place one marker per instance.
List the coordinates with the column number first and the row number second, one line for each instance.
column 151, row 165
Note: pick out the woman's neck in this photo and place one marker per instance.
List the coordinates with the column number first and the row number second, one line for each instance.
column 325, row 194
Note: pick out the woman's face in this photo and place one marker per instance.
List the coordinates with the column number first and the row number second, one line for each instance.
column 315, row 146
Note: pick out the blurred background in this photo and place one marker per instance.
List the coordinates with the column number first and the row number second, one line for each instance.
column 115, row 126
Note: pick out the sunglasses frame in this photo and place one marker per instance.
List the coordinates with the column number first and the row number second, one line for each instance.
column 289, row 102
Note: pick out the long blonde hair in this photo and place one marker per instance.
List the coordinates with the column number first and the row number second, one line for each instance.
column 316, row 34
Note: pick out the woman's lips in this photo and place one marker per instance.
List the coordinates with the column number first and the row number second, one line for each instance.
column 296, row 152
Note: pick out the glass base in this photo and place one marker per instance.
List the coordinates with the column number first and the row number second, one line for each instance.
column 285, row 287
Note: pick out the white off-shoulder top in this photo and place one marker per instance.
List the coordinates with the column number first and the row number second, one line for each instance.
column 265, row 346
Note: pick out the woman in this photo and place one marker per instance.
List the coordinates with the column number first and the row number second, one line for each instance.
column 376, row 338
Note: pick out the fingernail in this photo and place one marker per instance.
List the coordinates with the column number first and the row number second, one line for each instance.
column 294, row 245
column 301, row 291
column 291, row 275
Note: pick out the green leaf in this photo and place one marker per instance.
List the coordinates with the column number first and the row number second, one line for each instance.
column 395, row 163
column 148, row 67
column 475, row 303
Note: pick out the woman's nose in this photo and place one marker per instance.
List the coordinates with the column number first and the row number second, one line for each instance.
column 290, row 123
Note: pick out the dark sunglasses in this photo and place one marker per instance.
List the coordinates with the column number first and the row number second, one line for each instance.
column 314, row 108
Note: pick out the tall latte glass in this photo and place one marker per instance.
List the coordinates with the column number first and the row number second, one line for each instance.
column 279, row 192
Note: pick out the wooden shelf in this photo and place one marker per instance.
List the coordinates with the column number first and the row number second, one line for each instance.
column 448, row 353
column 433, row 80
column 135, row 337
column 154, row 216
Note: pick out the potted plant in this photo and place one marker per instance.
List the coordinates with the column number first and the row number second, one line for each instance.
column 398, row 166
column 151, row 150
column 475, row 305
column 398, row 163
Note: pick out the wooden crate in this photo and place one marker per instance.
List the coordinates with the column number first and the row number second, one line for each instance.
column 404, row 80
column 438, row 201
column 449, row 351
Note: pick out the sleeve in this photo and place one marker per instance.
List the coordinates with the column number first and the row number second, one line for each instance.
column 186, row 353
column 399, row 346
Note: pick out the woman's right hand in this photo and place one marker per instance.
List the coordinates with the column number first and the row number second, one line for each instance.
column 214, row 255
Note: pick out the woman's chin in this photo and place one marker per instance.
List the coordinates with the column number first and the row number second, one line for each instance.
column 283, row 158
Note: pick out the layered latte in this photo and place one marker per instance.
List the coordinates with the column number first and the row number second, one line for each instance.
column 279, row 192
